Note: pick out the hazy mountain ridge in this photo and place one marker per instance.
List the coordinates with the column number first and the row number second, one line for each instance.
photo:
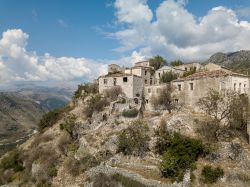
column 237, row 61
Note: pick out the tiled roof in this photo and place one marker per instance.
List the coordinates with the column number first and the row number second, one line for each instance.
column 118, row 75
column 211, row 74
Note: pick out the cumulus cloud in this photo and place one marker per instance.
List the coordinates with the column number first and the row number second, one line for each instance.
column 177, row 33
column 18, row 64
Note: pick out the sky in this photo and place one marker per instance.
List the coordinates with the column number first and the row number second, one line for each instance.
column 63, row 40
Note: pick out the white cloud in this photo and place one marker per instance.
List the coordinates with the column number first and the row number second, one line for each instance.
column 177, row 33
column 18, row 64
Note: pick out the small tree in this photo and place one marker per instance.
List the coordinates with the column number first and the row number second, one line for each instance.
column 190, row 72
column 85, row 89
column 176, row 63
column 69, row 124
column 157, row 62
column 167, row 77
column 163, row 99
column 134, row 140
column 230, row 105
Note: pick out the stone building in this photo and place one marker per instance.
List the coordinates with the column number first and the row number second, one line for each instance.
column 114, row 68
column 190, row 89
column 164, row 69
column 189, row 66
column 131, row 85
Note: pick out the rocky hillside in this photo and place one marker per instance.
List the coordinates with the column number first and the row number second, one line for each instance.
column 238, row 61
column 108, row 141
column 18, row 117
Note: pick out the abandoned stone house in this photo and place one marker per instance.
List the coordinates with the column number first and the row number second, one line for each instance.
column 140, row 80
column 190, row 89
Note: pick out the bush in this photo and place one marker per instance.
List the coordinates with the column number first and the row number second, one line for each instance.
column 180, row 155
column 211, row 175
column 208, row 130
column 134, row 140
column 63, row 143
column 103, row 180
column 190, row 72
column 126, row 182
column 130, row 113
column 52, row 117
column 75, row 167
column 163, row 139
column 12, row 161
column 163, row 99
column 96, row 103
column 113, row 93
column 69, row 124
column 168, row 77
column 85, row 89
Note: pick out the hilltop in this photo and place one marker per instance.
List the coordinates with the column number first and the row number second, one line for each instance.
column 237, row 61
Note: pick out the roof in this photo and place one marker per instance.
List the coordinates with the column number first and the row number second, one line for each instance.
column 118, row 75
column 141, row 61
column 169, row 67
column 211, row 74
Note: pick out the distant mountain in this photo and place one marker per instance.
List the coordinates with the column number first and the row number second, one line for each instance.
column 237, row 61
column 48, row 98
column 21, row 109
column 18, row 116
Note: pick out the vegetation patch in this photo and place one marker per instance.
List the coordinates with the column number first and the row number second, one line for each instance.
column 52, row 117
column 211, row 175
column 126, row 182
column 134, row 140
column 179, row 153
column 84, row 89
column 130, row 113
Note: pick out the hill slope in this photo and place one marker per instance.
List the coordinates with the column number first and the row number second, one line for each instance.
column 18, row 115
column 237, row 61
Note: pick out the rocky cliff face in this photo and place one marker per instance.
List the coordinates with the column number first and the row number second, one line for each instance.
column 238, row 61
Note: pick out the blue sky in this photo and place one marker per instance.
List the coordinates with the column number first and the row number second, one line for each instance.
column 82, row 18
column 99, row 32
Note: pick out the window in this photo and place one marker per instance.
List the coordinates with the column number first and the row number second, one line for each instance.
column 179, row 87
column 146, row 81
column 145, row 72
column 234, row 86
column 191, row 86
column 149, row 90
column 114, row 81
column 125, row 79
column 105, row 81
column 186, row 69
column 159, row 74
column 151, row 81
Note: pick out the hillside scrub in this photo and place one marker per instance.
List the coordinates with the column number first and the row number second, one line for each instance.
column 210, row 174
column 135, row 139
column 95, row 103
column 84, row 89
column 50, row 118
column 113, row 93
column 229, row 106
column 69, row 124
column 130, row 113
column 179, row 153
column 167, row 77
column 163, row 99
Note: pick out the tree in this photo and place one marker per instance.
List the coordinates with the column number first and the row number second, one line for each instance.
column 163, row 99
column 176, row 63
column 229, row 105
column 157, row 62
column 190, row 72
column 167, row 77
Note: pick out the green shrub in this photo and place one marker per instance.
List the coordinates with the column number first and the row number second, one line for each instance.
column 190, row 72
column 52, row 171
column 163, row 140
column 96, row 103
column 167, row 77
column 69, row 124
column 130, row 113
column 12, row 161
column 52, row 117
column 134, row 140
column 211, row 175
column 85, row 89
column 126, row 182
column 180, row 155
